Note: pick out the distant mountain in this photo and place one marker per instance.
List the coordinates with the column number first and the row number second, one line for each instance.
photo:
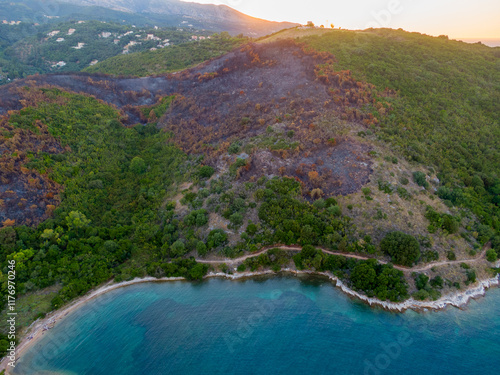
column 207, row 16
column 35, row 11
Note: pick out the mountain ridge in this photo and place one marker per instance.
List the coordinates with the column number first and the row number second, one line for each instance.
column 216, row 17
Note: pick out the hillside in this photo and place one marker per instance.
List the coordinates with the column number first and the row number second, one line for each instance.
column 29, row 12
column 206, row 16
column 382, row 145
column 166, row 60
column 446, row 111
column 73, row 46
column 161, row 13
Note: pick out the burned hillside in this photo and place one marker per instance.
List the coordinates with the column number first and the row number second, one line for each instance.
column 269, row 100
column 242, row 93
column 26, row 195
column 266, row 98
column 261, row 81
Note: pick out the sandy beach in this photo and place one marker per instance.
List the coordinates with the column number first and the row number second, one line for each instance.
column 459, row 299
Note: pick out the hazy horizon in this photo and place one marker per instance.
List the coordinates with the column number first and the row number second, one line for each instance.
column 458, row 19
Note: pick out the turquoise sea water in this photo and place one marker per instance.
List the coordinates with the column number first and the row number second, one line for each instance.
column 279, row 325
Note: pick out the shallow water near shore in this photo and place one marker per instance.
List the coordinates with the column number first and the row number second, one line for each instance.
column 276, row 325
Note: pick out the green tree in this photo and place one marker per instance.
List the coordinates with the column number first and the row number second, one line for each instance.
column 206, row 171
column 138, row 165
column 201, row 248
column 177, row 249
column 76, row 220
column 403, row 248
column 437, row 282
column 421, row 281
column 197, row 272
column 216, row 238
column 491, row 255
column 236, row 219
column 420, row 179
column 363, row 276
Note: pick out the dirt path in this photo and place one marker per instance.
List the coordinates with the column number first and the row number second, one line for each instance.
column 481, row 255
column 347, row 255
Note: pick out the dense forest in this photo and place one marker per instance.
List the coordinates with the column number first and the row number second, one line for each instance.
column 115, row 180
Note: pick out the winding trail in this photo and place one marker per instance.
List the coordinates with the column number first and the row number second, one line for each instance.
column 428, row 266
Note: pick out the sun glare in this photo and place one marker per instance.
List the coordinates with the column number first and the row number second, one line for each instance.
column 460, row 19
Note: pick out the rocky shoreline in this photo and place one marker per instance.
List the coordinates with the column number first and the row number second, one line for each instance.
column 458, row 299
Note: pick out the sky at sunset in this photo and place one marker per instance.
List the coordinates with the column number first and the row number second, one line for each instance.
column 455, row 18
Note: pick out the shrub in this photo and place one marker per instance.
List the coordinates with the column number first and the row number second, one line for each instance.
column 216, row 238
column 245, row 121
column 437, row 282
column 491, row 255
column 420, row 179
column 366, row 191
column 316, row 193
column 403, row 193
column 471, row 277
column 206, row 171
column 334, row 210
column 236, row 219
column 197, row 272
column 201, row 248
column 403, row 248
column 421, row 295
column 450, row 224
column 234, row 148
column 484, row 233
column 138, row 165
column 385, row 186
column 320, row 203
column 241, row 268
column 251, row 228
column 421, row 281
column 177, row 249
column 331, row 202
column 363, row 277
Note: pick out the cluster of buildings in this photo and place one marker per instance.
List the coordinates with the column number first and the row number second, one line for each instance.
column 5, row 22
column 53, row 33
column 80, row 45
column 70, row 32
column 196, row 37
column 126, row 49
column 59, row 64
column 130, row 44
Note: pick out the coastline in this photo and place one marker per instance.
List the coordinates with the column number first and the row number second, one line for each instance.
column 459, row 299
